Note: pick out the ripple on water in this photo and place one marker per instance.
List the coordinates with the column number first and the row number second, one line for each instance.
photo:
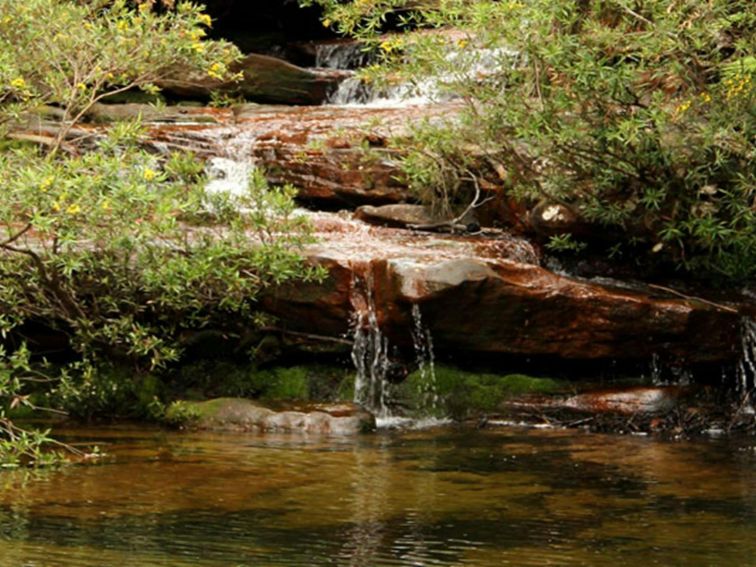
column 437, row 497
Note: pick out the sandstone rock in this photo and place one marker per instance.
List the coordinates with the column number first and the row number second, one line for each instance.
column 490, row 295
column 264, row 79
column 628, row 401
column 399, row 215
column 237, row 414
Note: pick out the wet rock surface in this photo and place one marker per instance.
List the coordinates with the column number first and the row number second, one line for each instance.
column 490, row 295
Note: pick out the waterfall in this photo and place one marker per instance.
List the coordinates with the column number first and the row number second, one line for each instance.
column 460, row 65
column 746, row 369
column 425, row 358
column 369, row 349
column 341, row 55
column 229, row 175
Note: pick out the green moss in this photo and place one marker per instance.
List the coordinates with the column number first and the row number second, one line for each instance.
column 462, row 394
column 212, row 378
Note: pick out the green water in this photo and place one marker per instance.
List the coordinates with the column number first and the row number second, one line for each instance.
column 438, row 497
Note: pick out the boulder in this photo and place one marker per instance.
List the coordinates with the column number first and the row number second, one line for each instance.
column 399, row 215
column 264, row 79
column 238, row 414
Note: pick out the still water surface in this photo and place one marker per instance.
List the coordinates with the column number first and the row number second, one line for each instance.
column 439, row 497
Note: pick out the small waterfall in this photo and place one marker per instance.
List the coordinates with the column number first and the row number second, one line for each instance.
column 746, row 369
column 229, row 175
column 425, row 358
column 370, row 350
column 341, row 55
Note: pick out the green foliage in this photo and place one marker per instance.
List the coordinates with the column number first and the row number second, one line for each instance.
column 639, row 116
column 74, row 53
column 115, row 247
column 110, row 259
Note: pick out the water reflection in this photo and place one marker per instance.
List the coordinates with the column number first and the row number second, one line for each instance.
column 445, row 497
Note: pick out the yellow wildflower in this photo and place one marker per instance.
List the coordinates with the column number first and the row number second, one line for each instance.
column 327, row 23
column 144, row 7
column 73, row 209
column 122, row 26
column 205, row 20
column 18, row 83
column 46, row 183
column 197, row 34
column 462, row 43
column 56, row 206
column 105, row 205
column 706, row 97
column 81, row 87
column 199, row 47
column 216, row 71
column 149, row 174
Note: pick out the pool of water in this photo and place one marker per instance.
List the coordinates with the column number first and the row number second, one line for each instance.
column 439, row 497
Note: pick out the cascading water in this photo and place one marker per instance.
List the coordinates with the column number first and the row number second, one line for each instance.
column 746, row 370
column 230, row 174
column 370, row 354
column 461, row 65
column 369, row 350
column 425, row 358
column 341, row 55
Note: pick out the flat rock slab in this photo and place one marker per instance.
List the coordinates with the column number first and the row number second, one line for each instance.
column 491, row 295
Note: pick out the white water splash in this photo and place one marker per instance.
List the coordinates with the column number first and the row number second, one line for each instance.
column 425, row 358
column 746, row 369
column 369, row 350
column 341, row 55
column 461, row 66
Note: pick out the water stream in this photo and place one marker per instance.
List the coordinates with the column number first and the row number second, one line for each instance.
column 746, row 370
column 443, row 498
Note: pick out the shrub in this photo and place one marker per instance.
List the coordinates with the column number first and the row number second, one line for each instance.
column 637, row 116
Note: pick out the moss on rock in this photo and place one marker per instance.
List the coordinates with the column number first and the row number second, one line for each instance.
column 462, row 394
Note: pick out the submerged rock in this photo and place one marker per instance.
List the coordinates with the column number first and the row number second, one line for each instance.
column 238, row 414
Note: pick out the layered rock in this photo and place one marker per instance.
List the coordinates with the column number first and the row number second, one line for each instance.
column 490, row 295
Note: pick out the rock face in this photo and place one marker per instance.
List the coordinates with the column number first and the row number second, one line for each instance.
column 264, row 79
column 333, row 155
column 489, row 295
column 237, row 414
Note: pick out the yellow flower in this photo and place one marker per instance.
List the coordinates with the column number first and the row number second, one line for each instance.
column 73, row 209
column 197, row 34
column 205, row 20
column 46, row 183
column 18, row 83
column 81, row 87
column 327, row 23
column 105, row 205
column 216, row 71
column 122, row 26
column 56, row 206
column 149, row 175
column 462, row 43
column 706, row 97
column 198, row 46
column 144, row 7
